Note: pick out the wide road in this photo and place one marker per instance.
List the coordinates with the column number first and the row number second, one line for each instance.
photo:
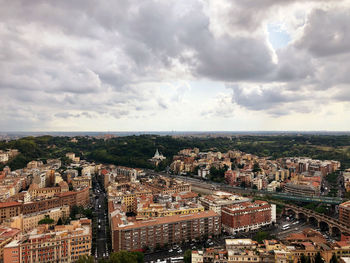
column 100, row 221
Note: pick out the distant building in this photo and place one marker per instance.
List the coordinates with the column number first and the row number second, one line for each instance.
column 203, row 172
column 302, row 188
column 273, row 186
column 72, row 157
column 157, row 158
column 4, row 157
column 346, row 176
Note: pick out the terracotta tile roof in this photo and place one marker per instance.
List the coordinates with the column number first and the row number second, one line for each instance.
column 161, row 220
column 7, row 232
column 8, row 204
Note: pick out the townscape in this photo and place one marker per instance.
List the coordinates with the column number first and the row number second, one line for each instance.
column 204, row 207
column 175, row 131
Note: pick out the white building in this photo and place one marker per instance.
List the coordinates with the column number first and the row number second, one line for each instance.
column 203, row 172
column 220, row 199
column 4, row 157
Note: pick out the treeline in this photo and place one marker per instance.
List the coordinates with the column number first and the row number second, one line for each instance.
column 134, row 151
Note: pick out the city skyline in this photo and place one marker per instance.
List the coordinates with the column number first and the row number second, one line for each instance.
column 194, row 65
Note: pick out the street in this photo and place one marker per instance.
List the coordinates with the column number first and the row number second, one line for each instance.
column 100, row 221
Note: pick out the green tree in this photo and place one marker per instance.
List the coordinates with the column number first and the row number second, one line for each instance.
column 261, row 236
column 59, row 222
column 85, row 259
column 334, row 259
column 74, row 210
column 217, row 175
column 256, row 168
column 123, row 257
column 46, row 220
column 347, row 195
column 188, row 256
column 302, row 259
column 139, row 256
column 318, row 258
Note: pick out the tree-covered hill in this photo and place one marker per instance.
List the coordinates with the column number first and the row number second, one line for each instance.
column 135, row 151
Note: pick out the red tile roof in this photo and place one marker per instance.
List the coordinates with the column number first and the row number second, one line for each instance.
column 162, row 220
column 9, row 204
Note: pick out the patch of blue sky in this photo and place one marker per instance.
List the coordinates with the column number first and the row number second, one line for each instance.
column 278, row 36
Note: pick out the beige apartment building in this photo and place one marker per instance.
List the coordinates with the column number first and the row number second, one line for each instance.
column 30, row 221
column 81, row 181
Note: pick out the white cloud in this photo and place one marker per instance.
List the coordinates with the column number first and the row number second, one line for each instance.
column 65, row 63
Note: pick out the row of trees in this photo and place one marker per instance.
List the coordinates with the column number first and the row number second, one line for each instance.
column 316, row 259
column 119, row 257
column 138, row 257
column 126, row 257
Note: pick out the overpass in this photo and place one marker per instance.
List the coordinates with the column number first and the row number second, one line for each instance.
column 324, row 222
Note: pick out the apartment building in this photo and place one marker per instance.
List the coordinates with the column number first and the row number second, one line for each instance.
column 236, row 250
column 150, row 209
column 127, row 194
column 71, row 198
column 247, row 216
column 236, row 244
column 164, row 185
column 302, row 188
column 30, row 221
column 79, row 197
column 81, row 181
column 132, row 173
column 7, row 234
column 10, row 186
column 154, row 232
column 46, row 192
column 72, row 157
column 219, row 199
column 63, row 244
column 344, row 213
column 9, row 209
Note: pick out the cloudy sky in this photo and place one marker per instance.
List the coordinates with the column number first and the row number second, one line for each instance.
column 108, row 65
